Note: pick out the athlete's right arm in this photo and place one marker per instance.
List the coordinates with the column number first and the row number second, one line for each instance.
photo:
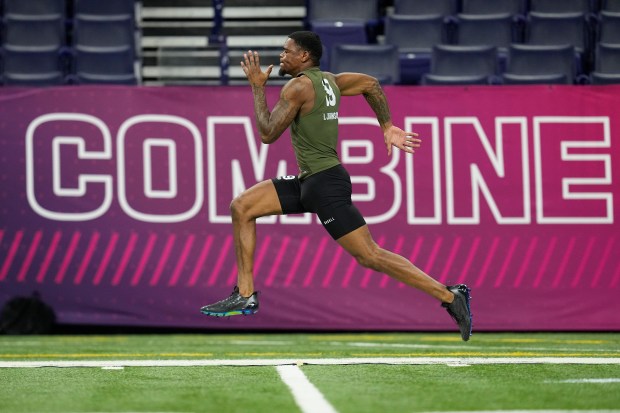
column 271, row 124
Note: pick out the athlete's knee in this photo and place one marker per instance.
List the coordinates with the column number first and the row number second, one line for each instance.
column 239, row 208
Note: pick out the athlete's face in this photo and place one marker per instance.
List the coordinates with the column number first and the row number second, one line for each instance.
column 291, row 58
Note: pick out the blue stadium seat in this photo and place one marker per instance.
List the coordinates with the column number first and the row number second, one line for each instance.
column 417, row 7
column 333, row 33
column 32, row 32
column 561, row 6
column 105, row 65
column 415, row 51
column 540, row 64
column 608, row 30
column 512, row 7
column 104, row 8
column 109, row 31
column 34, row 9
column 364, row 10
column 40, row 67
column 610, row 5
column 380, row 61
column 454, row 64
column 607, row 64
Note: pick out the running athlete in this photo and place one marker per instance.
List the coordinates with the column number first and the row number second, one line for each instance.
column 309, row 104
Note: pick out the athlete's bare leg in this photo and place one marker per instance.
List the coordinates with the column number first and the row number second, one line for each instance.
column 364, row 249
column 258, row 201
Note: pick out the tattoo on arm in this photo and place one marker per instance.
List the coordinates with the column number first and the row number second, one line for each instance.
column 260, row 108
column 378, row 102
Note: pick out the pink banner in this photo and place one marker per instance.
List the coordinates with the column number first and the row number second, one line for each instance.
column 115, row 207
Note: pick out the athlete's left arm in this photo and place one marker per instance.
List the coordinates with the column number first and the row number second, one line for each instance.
column 351, row 84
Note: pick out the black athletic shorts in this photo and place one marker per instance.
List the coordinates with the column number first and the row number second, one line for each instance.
column 327, row 194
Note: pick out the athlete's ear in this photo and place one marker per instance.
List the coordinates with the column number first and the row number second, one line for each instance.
column 305, row 56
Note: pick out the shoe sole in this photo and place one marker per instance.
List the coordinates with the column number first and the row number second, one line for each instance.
column 229, row 313
column 471, row 317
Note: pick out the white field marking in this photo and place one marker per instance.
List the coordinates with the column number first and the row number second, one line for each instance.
column 610, row 380
column 534, row 411
column 260, row 342
column 469, row 346
column 308, row 398
column 313, row 361
column 112, row 368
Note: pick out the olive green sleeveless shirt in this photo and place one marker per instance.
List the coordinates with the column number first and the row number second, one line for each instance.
column 315, row 134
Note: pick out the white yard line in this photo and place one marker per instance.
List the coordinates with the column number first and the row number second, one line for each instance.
column 582, row 381
column 533, row 411
column 451, row 361
column 308, row 398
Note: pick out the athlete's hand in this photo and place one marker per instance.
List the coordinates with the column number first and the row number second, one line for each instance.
column 405, row 141
column 251, row 67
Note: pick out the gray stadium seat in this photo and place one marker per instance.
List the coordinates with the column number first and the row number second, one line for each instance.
column 610, row 5
column 365, row 10
column 380, row 61
column 561, row 6
column 105, row 65
column 104, row 8
column 415, row 51
column 456, row 64
column 33, row 9
column 333, row 33
column 48, row 32
column 512, row 7
column 607, row 64
column 540, row 64
column 411, row 7
column 609, row 27
column 40, row 67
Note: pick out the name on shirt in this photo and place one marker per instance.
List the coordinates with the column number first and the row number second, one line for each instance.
column 330, row 115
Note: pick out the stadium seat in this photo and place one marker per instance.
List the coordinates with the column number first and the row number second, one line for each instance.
column 561, row 6
column 333, row 33
column 553, row 79
column 415, row 51
column 556, row 29
column 364, row 10
column 108, row 31
column 104, row 8
column 607, row 64
column 491, row 29
column 454, row 64
column 34, row 32
column 105, row 65
column 380, row 61
column 610, row 5
column 609, row 27
column 512, row 7
column 40, row 67
column 499, row 30
column 540, row 64
column 417, row 7
column 560, row 29
column 34, row 9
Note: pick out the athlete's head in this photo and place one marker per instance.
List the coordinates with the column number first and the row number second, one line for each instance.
column 300, row 49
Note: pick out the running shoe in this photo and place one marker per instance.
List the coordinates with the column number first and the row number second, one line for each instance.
column 459, row 309
column 235, row 304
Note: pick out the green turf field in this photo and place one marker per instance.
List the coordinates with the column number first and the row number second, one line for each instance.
column 255, row 372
